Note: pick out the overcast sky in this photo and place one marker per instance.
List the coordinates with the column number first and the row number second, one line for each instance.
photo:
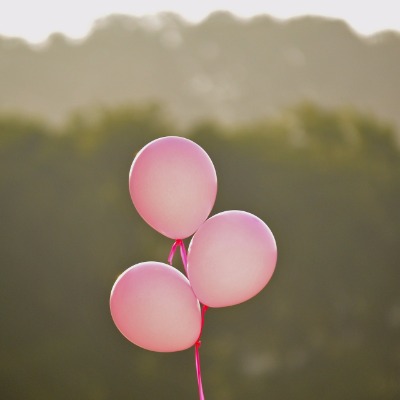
column 34, row 20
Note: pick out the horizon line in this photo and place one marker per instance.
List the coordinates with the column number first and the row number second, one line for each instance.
column 151, row 22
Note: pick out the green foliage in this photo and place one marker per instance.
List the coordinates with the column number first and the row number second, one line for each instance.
column 327, row 182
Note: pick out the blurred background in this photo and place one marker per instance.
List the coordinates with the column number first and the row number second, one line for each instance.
column 301, row 119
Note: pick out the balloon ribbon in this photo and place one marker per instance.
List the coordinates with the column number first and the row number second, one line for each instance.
column 197, row 355
column 179, row 243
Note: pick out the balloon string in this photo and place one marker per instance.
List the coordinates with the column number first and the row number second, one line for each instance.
column 178, row 243
column 197, row 355
column 198, row 369
column 184, row 256
column 173, row 249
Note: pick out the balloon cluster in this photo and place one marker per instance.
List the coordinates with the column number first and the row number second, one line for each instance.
column 231, row 256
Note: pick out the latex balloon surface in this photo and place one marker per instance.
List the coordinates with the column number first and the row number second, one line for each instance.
column 231, row 258
column 153, row 306
column 173, row 185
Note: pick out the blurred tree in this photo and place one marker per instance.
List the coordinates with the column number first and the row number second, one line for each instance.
column 327, row 182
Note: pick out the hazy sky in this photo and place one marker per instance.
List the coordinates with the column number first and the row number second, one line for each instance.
column 34, row 20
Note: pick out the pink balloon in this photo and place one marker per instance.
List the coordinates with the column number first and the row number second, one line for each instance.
column 153, row 306
column 231, row 258
column 173, row 186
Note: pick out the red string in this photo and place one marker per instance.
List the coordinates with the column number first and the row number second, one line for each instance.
column 184, row 256
column 173, row 249
column 198, row 369
column 179, row 243
column 197, row 355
